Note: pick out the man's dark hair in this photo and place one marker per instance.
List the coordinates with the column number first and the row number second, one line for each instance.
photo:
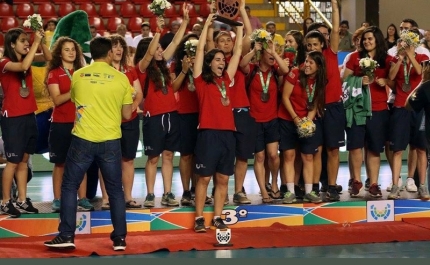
column 413, row 23
column 316, row 26
column 99, row 47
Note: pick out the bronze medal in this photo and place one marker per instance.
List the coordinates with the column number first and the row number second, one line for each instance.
column 225, row 101
column 191, row 87
column 310, row 106
column 164, row 90
column 24, row 91
column 406, row 87
column 264, row 96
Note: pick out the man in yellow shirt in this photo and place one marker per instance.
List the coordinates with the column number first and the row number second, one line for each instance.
column 278, row 39
column 102, row 96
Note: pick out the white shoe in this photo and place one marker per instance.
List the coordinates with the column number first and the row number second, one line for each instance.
column 399, row 184
column 410, row 185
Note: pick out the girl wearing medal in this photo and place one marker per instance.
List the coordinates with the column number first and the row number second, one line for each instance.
column 18, row 121
column 404, row 125
column 161, row 131
column 215, row 147
column 263, row 97
column 129, row 128
column 66, row 58
column 302, row 97
column 373, row 134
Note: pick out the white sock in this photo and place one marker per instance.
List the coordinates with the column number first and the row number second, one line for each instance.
column 290, row 187
column 308, row 188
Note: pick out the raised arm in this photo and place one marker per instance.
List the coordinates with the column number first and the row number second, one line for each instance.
column 171, row 48
column 45, row 55
column 177, row 82
column 334, row 35
column 25, row 64
column 283, row 65
column 153, row 45
column 244, row 63
column 246, row 42
column 200, row 51
column 237, row 51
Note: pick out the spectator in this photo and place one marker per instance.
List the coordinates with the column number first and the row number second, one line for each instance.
column 197, row 29
column 306, row 23
column 167, row 38
column 277, row 39
column 345, row 37
column 94, row 32
column 146, row 32
column 392, row 36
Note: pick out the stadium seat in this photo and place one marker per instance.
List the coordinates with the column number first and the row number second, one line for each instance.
column 140, row 2
column 171, row 12
column 9, row 22
column 135, row 24
column 153, row 24
column 97, row 22
column 204, row 9
column 97, row 2
column 113, row 23
column 65, row 8
column 24, row 10
column 80, row 1
column 46, row 9
column 1, row 39
column 6, row 10
column 107, row 10
column 15, row 2
column 57, row 2
column 127, row 9
column 89, row 8
column 145, row 12
column 195, row 20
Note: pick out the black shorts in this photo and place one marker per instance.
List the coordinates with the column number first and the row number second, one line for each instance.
column 245, row 134
column 60, row 137
column 188, row 125
column 290, row 139
column 267, row 132
column 418, row 134
column 19, row 136
column 130, row 138
column 161, row 132
column 373, row 134
column 215, row 152
column 334, row 122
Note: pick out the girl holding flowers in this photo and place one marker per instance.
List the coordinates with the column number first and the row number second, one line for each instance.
column 263, row 97
column 161, row 131
column 373, row 133
column 302, row 98
column 18, row 122
column 404, row 125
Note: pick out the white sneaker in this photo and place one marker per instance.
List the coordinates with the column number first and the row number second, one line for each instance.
column 410, row 185
column 399, row 184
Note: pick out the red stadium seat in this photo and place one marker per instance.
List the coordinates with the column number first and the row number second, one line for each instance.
column 171, row 12
column 1, row 40
column 65, row 8
column 80, row 1
column 145, row 12
column 24, row 10
column 102, row 1
column 113, row 23
column 153, row 24
column 46, row 10
column 140, row 2
column 6, row 10
column 135, row 24
column 127, row 9
column 97, row 22
column 9, row 22
column 107, row 10
column 205, row 9
column 195, row 20
column 89, row 8
column 57, row 2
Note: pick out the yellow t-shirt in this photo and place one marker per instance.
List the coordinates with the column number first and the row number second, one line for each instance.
column 99, row 91
column 279, row 44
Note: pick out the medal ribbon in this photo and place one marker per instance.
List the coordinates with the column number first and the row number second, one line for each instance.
column 67, row 73
column 23, row 83
column 406, row 72
column 265, row 86
column 163, row 82
column 222, row 89
column 310, row 93
column 190, row 78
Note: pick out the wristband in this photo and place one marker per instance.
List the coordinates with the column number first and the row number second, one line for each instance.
column 183, row 72
column 295, row 117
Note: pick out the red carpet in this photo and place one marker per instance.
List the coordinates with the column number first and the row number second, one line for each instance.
column 278, row 235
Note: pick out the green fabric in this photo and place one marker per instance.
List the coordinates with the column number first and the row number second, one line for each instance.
column 357, row 101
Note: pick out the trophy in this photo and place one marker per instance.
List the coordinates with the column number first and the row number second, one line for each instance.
column 227, row 11
column 223, row 236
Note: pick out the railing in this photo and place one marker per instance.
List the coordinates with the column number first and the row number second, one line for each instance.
column 307, row 5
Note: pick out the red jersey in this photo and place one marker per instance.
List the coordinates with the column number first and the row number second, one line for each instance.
column 298, row 97
column 187, row 100
column 13, row 104
column 239, row 98
column 378, row 94
column 333, row 89
column 212, row 113
column 414, row 80
column 64, row 113
column 131, row 74
column 156, row 102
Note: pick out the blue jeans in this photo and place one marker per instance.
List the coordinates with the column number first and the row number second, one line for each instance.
column 79, row 158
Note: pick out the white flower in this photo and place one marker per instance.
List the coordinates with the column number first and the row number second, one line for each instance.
column 27, row 24
column 366, row 62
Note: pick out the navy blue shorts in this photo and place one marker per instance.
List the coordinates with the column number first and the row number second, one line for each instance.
column 130, row 138
column 161, row 132
column 267, row 132
column 215, row 152
column 373, row 134
column 334, row 122
column 19, row 136
column 60, row 137
column 245, row 134
column 418, row 134
column 188, row 125
column 290, row 139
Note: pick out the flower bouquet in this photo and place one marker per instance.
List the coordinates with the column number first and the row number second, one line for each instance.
column 34, row 22
column 190, row 47
column 261, row 35
column 408, row 38
column 158, row 6
column 306, row 128
column 368, row 66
